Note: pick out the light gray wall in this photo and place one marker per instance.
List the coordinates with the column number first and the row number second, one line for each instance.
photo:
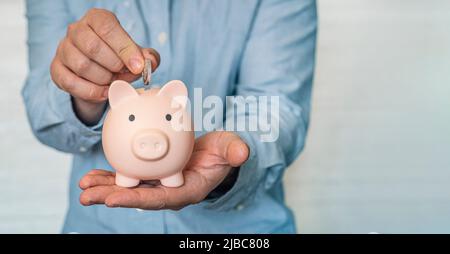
column 377, row 156
column 378, row 152
column 33, row 177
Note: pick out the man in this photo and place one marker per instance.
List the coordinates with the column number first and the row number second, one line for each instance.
column 233, row 182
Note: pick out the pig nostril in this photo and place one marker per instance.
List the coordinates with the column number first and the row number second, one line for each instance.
column 150, row 145
column 156, row 145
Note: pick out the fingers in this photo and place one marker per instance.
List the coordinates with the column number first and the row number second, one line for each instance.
column 76, row 86
column 95, row 52
column 144, row 198
column 115, row 196
column 127, row 76
column 81, row 65
column 101, row 172
column 108, row 28
column 148, row 53
column 155, row 198
column 97, row 194
column 91, row 180
column 159, row 197
column 93, row 47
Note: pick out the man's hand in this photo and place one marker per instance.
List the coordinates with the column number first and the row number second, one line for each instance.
column 214, row 155
column 95, row 52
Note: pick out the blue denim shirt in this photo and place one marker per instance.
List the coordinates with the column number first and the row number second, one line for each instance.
column 226, row 48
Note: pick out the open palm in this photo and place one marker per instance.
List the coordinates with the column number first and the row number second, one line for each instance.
column 214, row 156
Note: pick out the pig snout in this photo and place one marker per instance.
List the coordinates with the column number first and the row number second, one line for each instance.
column 150, row 145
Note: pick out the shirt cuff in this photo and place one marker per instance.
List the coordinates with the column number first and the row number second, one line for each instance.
column 86, row 136
column 255, row 175
column 89, row 135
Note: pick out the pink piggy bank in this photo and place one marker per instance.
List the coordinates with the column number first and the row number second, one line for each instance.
column 148, row 135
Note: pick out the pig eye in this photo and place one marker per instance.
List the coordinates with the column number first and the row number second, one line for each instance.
column 131, row 118
column 168, row 117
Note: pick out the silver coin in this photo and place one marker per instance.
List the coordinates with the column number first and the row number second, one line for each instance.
column 147, row 72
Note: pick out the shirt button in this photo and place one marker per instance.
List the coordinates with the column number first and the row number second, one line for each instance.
column 240, row 207
column 83, row 149
column 162, row 38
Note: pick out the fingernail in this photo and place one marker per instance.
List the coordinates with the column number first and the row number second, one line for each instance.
column 136, row 65
column 88, row 201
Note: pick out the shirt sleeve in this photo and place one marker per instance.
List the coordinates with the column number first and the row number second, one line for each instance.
column 278, row 61
column 49, row 109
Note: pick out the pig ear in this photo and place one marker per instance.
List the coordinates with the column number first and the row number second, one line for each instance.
column 175, row 89
column 119, row 91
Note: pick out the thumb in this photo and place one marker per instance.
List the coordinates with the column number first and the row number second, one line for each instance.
column 148, row 53
column 233, row 149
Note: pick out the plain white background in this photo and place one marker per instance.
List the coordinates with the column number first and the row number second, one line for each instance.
column 377, row 155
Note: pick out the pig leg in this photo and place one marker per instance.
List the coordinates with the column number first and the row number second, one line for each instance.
column 125, row 181
column 173, row 181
